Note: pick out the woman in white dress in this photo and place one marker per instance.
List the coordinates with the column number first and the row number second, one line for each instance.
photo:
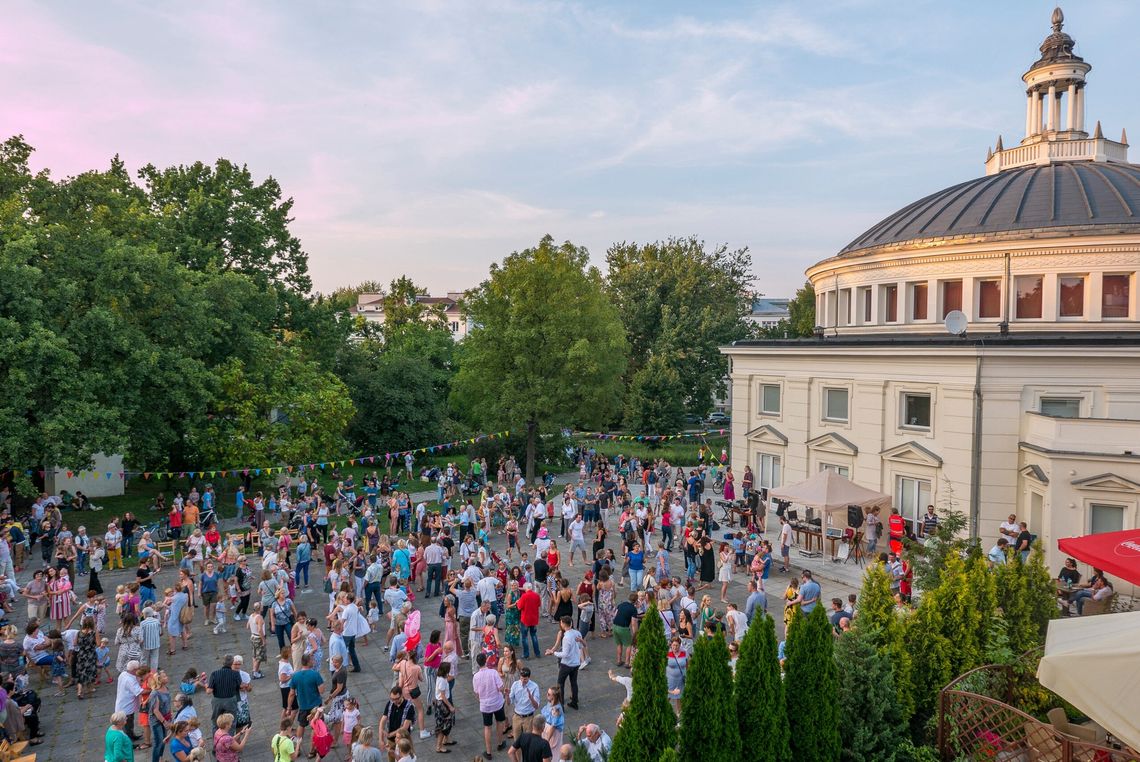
column 725, row 557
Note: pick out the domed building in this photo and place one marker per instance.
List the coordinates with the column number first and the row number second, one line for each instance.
column 980, row 347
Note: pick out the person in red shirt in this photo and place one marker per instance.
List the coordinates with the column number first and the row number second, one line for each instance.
column 214, row 539
column 896, row 526
column 529, row 604
column 175, row 521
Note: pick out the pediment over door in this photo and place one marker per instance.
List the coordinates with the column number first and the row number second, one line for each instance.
column 833, row 443
column 1034, row 472
column 767, row 434
column 912, row 453
column 1107, row 483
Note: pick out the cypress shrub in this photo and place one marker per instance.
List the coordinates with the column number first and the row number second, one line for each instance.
column 708, row 717
column 870, row 725
column 811, row 689
column 649, row 724
column 760, row 711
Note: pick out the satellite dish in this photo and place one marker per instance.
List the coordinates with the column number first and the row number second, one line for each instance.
column 955, row 322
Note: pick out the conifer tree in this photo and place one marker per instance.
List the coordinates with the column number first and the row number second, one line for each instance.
column 962, row 620
column 760, row 711
column 1013, row 599
column 1041, row 593
column 708, row 716
column 649, row 724
column 869, row 721
column 882, row 625
column 669, row 755
column 980, row 580
column 930, row 659
column 811, row 689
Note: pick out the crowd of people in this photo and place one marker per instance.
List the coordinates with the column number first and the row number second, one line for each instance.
column 516, row 574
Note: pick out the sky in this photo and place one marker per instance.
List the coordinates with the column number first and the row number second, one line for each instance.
column 433, row 137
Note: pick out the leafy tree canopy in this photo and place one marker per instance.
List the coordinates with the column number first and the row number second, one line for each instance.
column 548, row 346
column 681, row 299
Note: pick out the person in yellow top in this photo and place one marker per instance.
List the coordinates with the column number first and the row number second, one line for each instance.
column 284, row 744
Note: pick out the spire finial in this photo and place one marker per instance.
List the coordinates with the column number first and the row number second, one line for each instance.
column 1124, row 136
column 1058, row 19
column 1098, row 134
column 999, row 148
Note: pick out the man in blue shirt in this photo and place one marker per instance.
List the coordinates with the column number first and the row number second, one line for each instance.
column 305, row 689
column 809, row 593
column 757, row 600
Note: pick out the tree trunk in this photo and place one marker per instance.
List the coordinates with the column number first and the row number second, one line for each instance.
column 531, row 442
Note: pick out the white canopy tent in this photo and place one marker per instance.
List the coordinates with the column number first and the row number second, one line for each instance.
column 829, row 492
column 1094, row 664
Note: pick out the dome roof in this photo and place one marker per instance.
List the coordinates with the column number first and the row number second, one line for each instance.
column 1052, row 199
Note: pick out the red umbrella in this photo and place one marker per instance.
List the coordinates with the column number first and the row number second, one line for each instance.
column 1116, row 553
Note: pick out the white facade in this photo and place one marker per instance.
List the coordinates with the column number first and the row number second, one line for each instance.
column 1035, row 410
column 767, row 312
column 371, row 308
column 104, row 478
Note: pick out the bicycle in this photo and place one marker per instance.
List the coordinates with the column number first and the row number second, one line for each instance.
column 159, row 531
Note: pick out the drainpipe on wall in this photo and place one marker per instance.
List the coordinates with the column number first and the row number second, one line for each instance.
column 976, row 447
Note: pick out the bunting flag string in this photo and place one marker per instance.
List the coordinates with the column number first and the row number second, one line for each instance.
column 651, row 437
column 270, row 470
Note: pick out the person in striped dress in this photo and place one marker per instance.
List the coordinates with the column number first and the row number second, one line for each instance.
column 151, row 630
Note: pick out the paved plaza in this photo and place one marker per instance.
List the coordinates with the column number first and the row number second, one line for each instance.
column 74, row 729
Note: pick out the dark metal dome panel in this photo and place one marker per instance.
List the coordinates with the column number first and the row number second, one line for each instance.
column 1053, row 196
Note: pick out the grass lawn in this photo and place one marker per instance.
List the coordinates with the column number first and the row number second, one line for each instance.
column 140, row 493
column 677, row 451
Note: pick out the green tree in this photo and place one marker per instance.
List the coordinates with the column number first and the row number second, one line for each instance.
column 219, row 218
column 800, row 322
column 1041, row 593
column 811, row 688
column 760, row 712
column 681, row 288
column 280, row 408
column 931, row 663
column 709, row 729
column 403, row 306
column 870, row 725
column 547, row 349
column 669, row 755
column 648, row 727
column 948, row 539
column 344, row 298
column 880, row 624
column 396, row 401
column 656, row 398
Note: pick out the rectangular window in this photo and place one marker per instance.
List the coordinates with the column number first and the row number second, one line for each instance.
column 1071, row 300
column 841, row 470
column 989, row 299
column 1028, row 296
column 454, row 327
column 912, row 496
column 918, row 296
column 835, row 405
column 916, row 411
column 865, row 295
column 848, row 295
column 1061, row 407
column 770, row 471
column 770, row 399
column 1105, row 518
column 951, row 296
column 1114, row 297
column 891, row 303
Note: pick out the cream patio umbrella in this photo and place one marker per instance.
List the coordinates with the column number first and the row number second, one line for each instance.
column 1094, row 663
